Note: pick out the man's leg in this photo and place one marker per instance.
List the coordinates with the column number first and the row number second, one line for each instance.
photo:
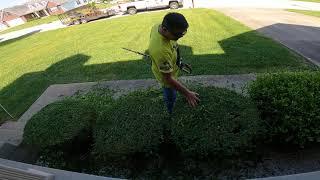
column 169, row 96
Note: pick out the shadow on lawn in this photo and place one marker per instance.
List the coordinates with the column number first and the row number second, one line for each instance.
column 244, row 53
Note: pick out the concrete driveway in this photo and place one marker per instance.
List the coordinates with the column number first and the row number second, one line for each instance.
column 298, row 32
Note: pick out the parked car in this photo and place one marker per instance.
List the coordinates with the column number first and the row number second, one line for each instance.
column 138, row 5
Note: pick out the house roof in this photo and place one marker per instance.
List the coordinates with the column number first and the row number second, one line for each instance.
column 7, row 16
column 30, row 6
column 27, row 8
column 18, row 10
column 58, row 2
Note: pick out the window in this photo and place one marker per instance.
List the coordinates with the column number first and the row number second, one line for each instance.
column 78, row 2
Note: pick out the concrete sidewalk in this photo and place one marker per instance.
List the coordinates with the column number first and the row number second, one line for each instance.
column 299, row 32
column 303, row 176
column 31, row 30
column 58, row 174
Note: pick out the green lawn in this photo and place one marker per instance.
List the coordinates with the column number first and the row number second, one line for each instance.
column 317, row 1
column 306, row 12
column 31, row 23
column 214, row 44
column 103, row 5
column 45, row 20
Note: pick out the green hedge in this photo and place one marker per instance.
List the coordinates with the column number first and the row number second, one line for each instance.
column 59, row 123
column 132, row 124
column 290, row 103
column 224, row 124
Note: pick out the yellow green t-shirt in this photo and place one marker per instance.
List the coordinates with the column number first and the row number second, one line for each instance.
column 163, row 53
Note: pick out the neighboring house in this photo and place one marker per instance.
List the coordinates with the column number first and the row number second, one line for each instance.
column 30, row 10
column 73, row 4
column 3, row 24
column 10, row 19
column 34, row 9
column 54, row 8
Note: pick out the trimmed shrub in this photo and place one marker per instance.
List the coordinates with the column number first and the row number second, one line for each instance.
column 98, row 99
column 59, row 123
column 131, row 125
column 290, row 103
column 223, row 124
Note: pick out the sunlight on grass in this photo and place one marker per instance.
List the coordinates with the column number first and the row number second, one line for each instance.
column 214, row 44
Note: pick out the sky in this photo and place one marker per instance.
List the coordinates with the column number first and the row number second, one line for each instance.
column 8, row 3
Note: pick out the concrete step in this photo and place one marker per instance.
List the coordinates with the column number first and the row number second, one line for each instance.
column 7, row 172
column 59, row 174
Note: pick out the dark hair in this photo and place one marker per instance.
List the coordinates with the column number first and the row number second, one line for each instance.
column 174, row 21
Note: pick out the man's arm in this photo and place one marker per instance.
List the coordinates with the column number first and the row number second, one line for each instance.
column 192, row 97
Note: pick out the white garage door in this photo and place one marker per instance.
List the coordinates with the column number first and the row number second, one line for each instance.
column 15, row 22
column 3, row 27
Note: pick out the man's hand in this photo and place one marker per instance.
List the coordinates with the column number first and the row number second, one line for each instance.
column 192, row 98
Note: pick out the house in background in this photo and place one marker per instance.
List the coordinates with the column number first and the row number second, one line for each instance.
column 34, row 9
column 73, row 4
column 31, row 10
column 8, row 19
column 3, row 24
column 54, row 7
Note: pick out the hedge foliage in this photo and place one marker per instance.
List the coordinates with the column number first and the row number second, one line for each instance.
column 224, row 124
column 62, row 121
column 59, row 123
column 132, row 124
column 289, row 102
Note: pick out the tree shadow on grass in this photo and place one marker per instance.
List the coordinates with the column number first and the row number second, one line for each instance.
column 243, row 53
column 20, row 94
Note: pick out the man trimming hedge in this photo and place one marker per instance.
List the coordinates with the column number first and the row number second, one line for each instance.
column 163, row 50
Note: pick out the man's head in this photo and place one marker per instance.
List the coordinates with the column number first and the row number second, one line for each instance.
column 174, row 26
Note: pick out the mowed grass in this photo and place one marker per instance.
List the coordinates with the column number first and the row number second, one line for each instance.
column 306, row 12
column 103, row 5
column 28, row 24
column 214, row 44
column 317, row 1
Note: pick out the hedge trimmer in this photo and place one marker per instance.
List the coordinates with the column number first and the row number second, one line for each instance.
column 183, row 66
